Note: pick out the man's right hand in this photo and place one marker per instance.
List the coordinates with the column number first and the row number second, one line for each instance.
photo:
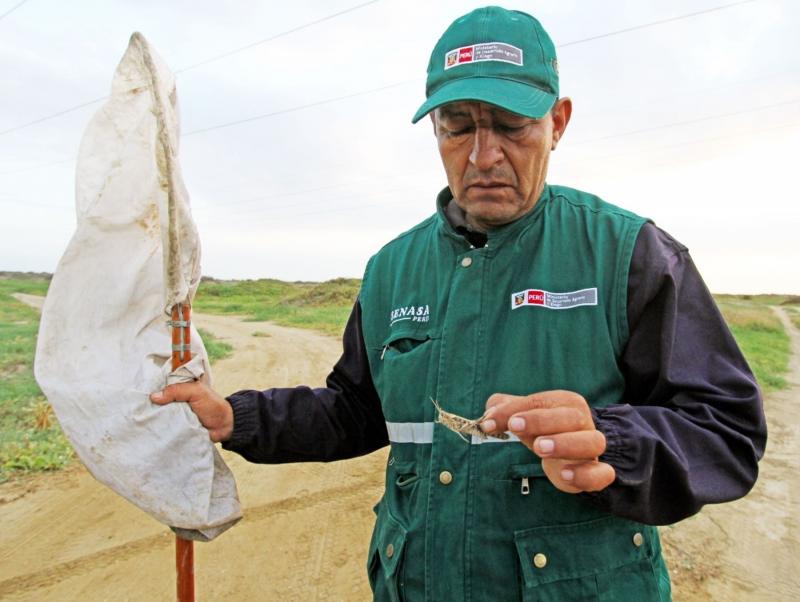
column 214, row 412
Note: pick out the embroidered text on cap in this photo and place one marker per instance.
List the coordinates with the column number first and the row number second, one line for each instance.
column 489, row 51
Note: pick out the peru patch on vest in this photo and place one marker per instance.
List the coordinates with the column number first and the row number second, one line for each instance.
column 540, row 298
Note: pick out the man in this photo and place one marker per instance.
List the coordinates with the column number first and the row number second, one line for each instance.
column 576, row 328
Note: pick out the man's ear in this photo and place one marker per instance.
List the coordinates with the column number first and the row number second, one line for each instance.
column 432, row 115
column 561, row 112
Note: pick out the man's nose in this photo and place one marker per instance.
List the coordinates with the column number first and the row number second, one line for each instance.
column 486, row 151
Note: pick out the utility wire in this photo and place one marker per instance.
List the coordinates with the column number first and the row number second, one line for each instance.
column 594, row 159
column 11, row 10
column 575, row 143
column 197, row 208
column 688, row 121
column 653, row 23
column 35, row 167
column 274, row 37
column 53, row 116
column 229, row 53
column 299, row 107
column 187, row 68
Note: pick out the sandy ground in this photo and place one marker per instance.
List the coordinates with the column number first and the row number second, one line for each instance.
column 748, row 549
column 307, row 526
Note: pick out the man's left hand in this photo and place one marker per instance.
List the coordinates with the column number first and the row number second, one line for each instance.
column 558, row 427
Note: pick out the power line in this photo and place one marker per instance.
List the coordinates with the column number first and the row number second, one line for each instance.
column 668, row 147
column 292, row 193
column 52, row 116
column 299, row 107
column 654, row 23
column 293, row 207
column 245, row 120
column 298, row 28
column 688, row 121
column 575, row 143
column 35, row 167
column 184, row 69
column 355, row 94
column 12, row 9
column 274, row 37
column 33, row 204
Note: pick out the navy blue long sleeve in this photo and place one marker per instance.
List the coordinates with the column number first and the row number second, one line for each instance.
column 691, row 428
column 689, row 431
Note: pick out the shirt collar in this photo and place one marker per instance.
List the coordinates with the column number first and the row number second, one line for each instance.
column 455, row 223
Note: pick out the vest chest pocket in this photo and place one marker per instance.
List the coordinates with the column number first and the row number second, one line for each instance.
column 404, row 372
column 608, row 559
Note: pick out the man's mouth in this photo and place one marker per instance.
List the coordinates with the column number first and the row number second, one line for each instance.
column 488, row 185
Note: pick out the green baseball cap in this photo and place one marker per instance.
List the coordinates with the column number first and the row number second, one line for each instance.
column 493, row 55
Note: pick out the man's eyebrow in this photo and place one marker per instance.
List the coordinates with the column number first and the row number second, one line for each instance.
column 449, row 112
column 506, row 114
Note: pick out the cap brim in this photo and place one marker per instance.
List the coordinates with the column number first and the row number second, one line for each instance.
column 510, row 95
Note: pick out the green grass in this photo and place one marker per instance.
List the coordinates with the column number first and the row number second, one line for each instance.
column 30, row 438
column 216, row 349
column 795, row 317
column 319, row 306
column 760, row 335
column 792, row 307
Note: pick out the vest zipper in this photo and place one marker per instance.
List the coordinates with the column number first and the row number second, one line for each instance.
column 526, row 486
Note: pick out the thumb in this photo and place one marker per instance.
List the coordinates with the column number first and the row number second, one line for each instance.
column 179, row 392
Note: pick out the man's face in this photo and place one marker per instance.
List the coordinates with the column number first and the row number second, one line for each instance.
column 496, row 161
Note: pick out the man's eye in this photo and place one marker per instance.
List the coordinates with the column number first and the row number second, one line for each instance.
column 509, row 129
column 459, row 132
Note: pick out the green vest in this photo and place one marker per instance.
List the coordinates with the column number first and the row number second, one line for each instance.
column 542, row 306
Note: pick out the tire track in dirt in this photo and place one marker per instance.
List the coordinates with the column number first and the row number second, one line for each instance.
column 329, row 499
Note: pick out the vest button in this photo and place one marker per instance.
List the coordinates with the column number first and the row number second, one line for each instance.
column 445, row 477
column 540, row 561
column 389, row 551
column 466, row 262
column 638, row 540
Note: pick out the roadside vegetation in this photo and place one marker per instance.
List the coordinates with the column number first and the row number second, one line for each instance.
column 216, row 349
column 760, row 335
column 31, row 440
column 321, row 306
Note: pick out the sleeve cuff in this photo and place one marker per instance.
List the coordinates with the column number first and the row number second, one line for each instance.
column 617, row 453
column 245, row 419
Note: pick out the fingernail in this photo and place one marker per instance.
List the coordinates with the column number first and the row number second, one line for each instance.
column 488, row 426
column 517, row 423
column 567, row 474
column 545, row 445
column 157, row 396
column 490, row 412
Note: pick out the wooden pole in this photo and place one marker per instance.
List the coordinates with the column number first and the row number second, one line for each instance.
column 181, row 353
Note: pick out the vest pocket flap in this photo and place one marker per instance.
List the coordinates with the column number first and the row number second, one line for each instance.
column 406, row 339
column 390, row 538
column 519, row 471
column 558, row 552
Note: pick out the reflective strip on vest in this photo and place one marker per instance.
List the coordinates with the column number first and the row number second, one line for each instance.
column 422, row 432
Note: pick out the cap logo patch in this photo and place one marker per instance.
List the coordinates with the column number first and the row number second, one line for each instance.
column 540, row 298
column 489, row 51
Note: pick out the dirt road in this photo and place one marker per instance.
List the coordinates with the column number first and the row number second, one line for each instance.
column 749, row 549
column 305, row 530
column 306, row 527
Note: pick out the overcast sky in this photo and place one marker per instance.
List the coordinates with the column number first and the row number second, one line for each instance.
column 694, row 123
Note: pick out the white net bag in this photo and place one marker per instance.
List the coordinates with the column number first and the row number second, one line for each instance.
column 104, row 343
